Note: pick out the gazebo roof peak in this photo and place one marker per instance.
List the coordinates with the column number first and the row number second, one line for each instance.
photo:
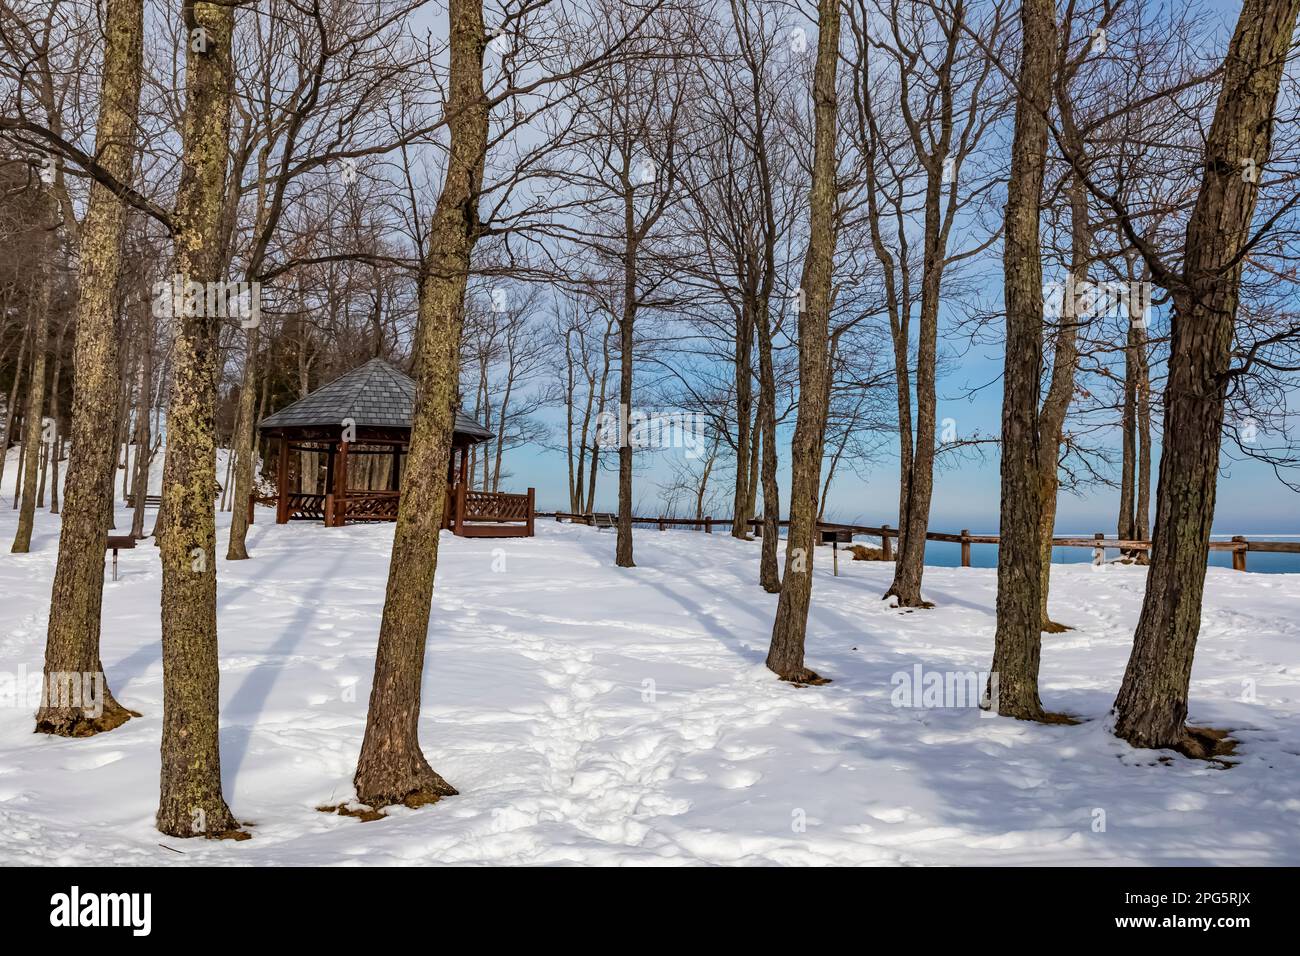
column 376, row 394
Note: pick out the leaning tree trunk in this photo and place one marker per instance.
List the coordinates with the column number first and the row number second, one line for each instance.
column 191, row 802
column 72, row 642
column 1060, row 392
column 32, row 416
column 392, row 768
column 1017, row 641
column 1151, row 708
column 785, row 656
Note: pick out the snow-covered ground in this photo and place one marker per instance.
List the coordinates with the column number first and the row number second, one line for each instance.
column 595, row 715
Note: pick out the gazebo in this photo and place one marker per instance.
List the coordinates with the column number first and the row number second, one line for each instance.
column 368, row 412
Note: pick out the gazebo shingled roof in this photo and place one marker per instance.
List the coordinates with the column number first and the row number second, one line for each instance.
column 374, row 395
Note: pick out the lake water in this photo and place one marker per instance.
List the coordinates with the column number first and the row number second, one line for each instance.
column 946, row 554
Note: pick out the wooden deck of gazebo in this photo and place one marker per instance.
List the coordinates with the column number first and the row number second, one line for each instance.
column 368, row 412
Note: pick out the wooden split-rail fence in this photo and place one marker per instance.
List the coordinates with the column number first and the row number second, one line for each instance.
column 1239, row 546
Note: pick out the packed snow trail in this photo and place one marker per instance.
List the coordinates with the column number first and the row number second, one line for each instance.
column 590, row 714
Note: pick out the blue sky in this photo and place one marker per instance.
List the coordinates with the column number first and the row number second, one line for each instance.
column 1251, row 500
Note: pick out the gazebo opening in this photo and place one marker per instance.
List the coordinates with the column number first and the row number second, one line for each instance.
column 367, row 412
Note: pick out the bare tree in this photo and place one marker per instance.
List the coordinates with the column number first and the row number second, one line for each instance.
column 72, row 643
column 625, row 140
column 922, row 114
column 785, row 656
column 1151, row 708
column 191, row 801
column 392, row 768
column 36, row 382
column 1017, row 640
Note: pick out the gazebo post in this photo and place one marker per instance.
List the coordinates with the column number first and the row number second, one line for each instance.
column 282, row 484
column 328, row 508
column 329, row 469
column 341, row 487
column 393, row 475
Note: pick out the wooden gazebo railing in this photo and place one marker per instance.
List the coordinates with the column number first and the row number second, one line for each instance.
column 468, row 513
column 491, row 514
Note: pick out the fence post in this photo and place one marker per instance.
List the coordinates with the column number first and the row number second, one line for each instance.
column 532, row 500
column 708, row 524
column 661, row 522
column 758, row 528
column 886, row 546
column 1098, row 552
column 965, row 547
column 1239, row 555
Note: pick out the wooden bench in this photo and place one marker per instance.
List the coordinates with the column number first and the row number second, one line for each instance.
column 603, row 520
column 116, row 542
column 155, row 501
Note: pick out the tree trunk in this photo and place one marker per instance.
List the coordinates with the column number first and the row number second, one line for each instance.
column 191, row 802
column 1127, row 526
column 623, row 546
column 1017, row 641
column 11, row 405
column 1151, row 708
column 123, row 425
column 570, row 454
column 392, row 768
column 600, row 411
column 55, row 414
column 72, row 642
column 785, row 657
column 35, row 390
column 1135, row 476
column 755, row 449
column 914, row 521
column 769, row 575
column 22, row 471
column 44, row 468
column 1060, row 392
column 245, row 447
column 1142, row 522
column 743, row 367
column 142, row 436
